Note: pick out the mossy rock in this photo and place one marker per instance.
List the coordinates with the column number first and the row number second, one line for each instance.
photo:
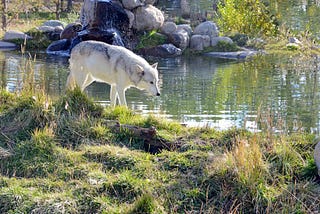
column 240, row 39
column 39, row 41
column 223, row 46
column 151, row 39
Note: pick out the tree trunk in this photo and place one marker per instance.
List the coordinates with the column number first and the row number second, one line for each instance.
column 3, row 75
column 4, row 9
column 61, row 5
column 69, row 6
column 152, row 143
column 58, row 10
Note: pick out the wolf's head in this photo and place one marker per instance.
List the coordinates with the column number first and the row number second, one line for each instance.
column 148, row 79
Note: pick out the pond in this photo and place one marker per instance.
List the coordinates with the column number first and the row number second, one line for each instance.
column 267, row 91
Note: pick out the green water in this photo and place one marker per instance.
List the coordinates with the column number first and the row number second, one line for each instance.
column 281, row 94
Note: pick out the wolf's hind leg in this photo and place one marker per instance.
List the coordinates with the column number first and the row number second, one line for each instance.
column 83, row 81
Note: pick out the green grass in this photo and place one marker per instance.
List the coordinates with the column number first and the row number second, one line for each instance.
column 67, row 158
column 151, row 39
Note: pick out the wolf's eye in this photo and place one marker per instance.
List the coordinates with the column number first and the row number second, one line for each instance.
column 151, row 82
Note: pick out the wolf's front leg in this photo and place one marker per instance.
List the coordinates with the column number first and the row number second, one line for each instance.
column 122, row 96
column 113, row 95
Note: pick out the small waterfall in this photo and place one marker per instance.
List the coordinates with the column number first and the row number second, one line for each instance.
column 102, row 20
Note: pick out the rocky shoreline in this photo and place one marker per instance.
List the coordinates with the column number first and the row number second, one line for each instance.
column 141, row 19
column 5, row 46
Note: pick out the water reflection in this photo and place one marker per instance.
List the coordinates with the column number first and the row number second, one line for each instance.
column 42, row 71
column 266, row 92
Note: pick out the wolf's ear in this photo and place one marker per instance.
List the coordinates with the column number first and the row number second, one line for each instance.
column 139, row 70
column 155, row 65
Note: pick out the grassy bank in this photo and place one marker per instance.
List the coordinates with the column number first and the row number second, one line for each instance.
column 64, row 157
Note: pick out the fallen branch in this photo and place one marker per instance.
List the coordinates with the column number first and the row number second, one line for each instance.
column 152, row 142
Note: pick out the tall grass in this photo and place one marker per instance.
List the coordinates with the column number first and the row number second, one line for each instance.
column 61, row 155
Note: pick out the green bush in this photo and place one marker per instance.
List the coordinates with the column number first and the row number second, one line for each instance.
column 151, row 39
column 223, row 46
column 245, row 16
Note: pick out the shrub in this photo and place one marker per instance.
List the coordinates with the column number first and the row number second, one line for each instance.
column 245, row 16
column 151, row 39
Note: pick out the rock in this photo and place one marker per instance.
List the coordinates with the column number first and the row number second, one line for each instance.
column 164, row 51
column 152, row 2
column 199, row 42
column 131, row 17
column 180, row 39
column 58, row 29
column 60, row 45
column 207, row 28
column 11, row 35
column 53, row 33
column 70, row 31
column 316, row 156
column 185, row 27
column 7, row 46
column 148, row 18
column 53, row 23
column 233, row 55
column 294, row 40
column 168, row 28
column 131, row 4
column 216, row 40
column 46, row 29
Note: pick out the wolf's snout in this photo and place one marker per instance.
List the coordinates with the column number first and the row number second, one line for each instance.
column 158, row 94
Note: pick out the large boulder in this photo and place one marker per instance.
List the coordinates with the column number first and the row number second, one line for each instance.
column 168, row 28
column 53, row 23
column 164, row 51
column 53, row 33
column 11, row 35
column 185, row 27
column 216, row 40
column 148, row 18
column 60, row 45
column 199, row 42
column 150, row 1
column 70, row 31
column 131, row 4
column 52, row 29
column 7, row 46
column 207, row 28
column 180, row 39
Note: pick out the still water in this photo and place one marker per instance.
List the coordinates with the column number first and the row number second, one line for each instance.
column 267, row 91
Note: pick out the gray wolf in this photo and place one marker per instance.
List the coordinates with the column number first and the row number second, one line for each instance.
column 121, row 68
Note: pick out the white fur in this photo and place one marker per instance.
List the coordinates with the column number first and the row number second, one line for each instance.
column 97, row 61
